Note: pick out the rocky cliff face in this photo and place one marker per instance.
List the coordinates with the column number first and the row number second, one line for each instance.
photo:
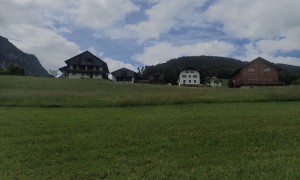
column 11, row 54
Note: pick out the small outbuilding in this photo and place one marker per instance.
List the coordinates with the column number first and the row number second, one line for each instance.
column 213, row 82
column 158, row 78
column 124, row 75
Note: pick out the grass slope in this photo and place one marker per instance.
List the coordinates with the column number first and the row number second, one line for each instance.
column 203, row 141
column 200, row 133
column 47, row 92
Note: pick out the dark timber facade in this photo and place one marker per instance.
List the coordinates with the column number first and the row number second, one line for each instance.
column 258, row 72
column 85, row 65
column 124, row 75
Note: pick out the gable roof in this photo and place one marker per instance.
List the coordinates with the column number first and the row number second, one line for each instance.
column 190, row 68
column 123, row 69
column 255, row 60
column 266, row 62
column 95, row 61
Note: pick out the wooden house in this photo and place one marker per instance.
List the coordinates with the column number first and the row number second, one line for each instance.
column 157, row 78
column 85, row 65
column 189, row 77
column 258, row 72
column 124, row 75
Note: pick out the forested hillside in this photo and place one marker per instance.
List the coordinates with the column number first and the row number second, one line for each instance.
column 209, row 66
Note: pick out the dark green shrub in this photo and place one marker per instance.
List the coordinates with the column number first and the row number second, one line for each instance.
column 14, row 69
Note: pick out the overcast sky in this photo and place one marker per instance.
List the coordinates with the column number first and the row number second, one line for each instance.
column 133, row 33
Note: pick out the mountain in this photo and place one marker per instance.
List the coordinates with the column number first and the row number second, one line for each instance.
column 208, row 66
column 9, row 54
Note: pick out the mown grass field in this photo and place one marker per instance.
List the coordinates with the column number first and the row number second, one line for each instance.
column 89, row 129
column 47, row 92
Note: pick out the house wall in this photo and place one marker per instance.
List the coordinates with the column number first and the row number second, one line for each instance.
column 189, row 77
column 85, row 65
column 213, row 84
column 97, row 76
column 74, row 76
column 84, row 76
column 124, row 79
column 124, row 75
column 259, row 72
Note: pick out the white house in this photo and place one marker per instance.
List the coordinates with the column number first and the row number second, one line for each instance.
column 214, row 82
column 189, row 77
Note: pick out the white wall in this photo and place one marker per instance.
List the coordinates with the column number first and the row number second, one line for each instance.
column 189, row 77
column 97, row 76
column 74, row 75
column 213, row 84
column 84, row 76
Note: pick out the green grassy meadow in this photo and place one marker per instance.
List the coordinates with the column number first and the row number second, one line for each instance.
column 93, row 129
column 47, row 92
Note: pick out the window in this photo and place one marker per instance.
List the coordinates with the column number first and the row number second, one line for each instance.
column 82, row 67
column 183, row 76
column 183, row 81
column 195, row 76
column 192, row 71
column 190, row 76
column 195, row 81
column 251, row 69
column 187, row 71
column 190, row 81
column 267, row 69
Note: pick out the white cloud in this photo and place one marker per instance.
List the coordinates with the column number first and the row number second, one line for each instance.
column 116, row 64
column 255, row 19
column 163, row 51
column 92, row 50
column 40, row 27
column 29, row 25
column 161, row 18
column 253, row 51
column 50, row 48
column 101, row 13
column 269, row 25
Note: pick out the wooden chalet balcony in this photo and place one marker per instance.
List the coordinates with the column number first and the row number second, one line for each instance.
column 259, row 83
column 84, row 71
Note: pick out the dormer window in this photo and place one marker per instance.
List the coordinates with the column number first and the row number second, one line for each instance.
column 267, row 69
column 251, row 69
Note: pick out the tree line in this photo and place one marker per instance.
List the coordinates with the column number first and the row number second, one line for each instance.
column 209, row 66
column 12, row 69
